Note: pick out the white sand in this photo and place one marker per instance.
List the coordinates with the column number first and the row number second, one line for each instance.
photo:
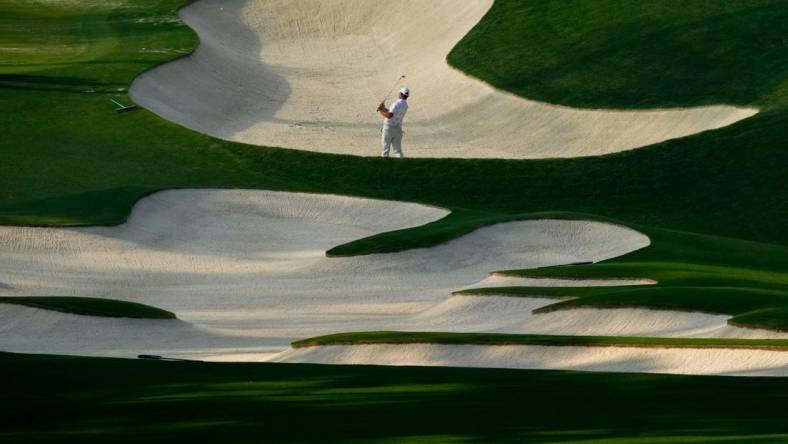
column 514, row 315
column 308, row 74
column 732, row 362
column 31, row 330
column 251, row 264
column 246, row 273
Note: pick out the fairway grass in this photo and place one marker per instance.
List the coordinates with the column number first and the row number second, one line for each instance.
column 624, row 54
column 107, row 161
column 72, row 58
column 713, row 204
column 724, row 183
column 191, row 402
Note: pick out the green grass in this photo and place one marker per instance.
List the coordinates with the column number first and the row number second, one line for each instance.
column 61, row 399
column 66, row 61
column 397, row 337
column 107, row 308
column 75, row 56
column 107, row 161
column 68, row 159
column 754, row 308
column 632, row 54
column 742, row 279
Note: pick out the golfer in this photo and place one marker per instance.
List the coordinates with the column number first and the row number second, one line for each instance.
column 392, row 128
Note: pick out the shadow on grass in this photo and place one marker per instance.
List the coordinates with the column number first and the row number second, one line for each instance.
column 147, row 401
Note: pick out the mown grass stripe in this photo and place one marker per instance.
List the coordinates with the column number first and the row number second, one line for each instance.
column 496, row 339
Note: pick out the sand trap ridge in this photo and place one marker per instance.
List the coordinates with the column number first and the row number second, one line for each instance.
column 308, row 74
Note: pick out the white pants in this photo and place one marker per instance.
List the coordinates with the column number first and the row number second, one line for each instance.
column 392, row 136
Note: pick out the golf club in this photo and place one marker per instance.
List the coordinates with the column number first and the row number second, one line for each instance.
column 392, row 89
column 121, row 108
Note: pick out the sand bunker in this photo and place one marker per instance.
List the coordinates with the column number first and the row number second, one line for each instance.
column 602, row 359
column 246, row 274
column 32, row 330
column 252, row 263
column 503, row 314
column 308, row 74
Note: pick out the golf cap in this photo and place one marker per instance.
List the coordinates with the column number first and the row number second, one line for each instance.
column 405, row 91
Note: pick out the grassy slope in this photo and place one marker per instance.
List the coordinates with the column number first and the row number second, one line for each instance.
column 107, row 308
column 58, row 399
column 397, row 337
column 711, row 183
column 74, row 57
column 626, row 54
column 107, row 161
column 746, row 280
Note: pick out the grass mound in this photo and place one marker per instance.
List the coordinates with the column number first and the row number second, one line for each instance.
column 745, row 280
column 395, row 337
column 106, row 308
column 632, row 54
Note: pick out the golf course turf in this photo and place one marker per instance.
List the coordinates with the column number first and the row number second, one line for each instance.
column 622, row 54
column 107, row 308
column 714, row 205
column 685, row 184
column 394, row 337
column 71, row 399
column 746, row 280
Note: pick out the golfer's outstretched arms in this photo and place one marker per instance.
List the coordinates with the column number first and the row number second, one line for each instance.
column 384, row 111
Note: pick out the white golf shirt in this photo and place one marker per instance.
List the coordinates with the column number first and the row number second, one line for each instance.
column 399, row 109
